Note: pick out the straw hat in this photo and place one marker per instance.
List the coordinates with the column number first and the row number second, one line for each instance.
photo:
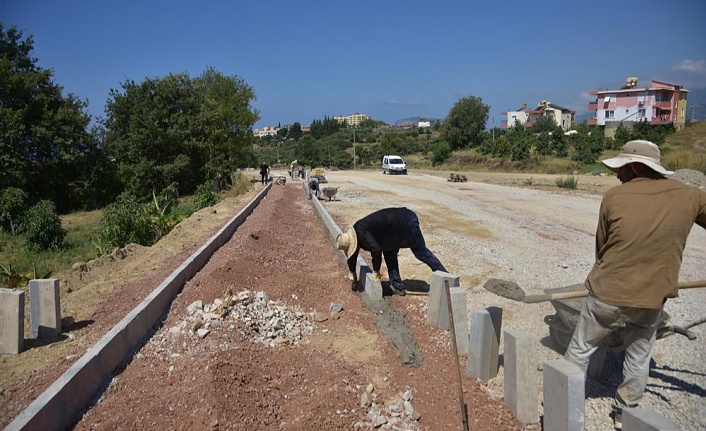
column 348, row 242
column 644, row 152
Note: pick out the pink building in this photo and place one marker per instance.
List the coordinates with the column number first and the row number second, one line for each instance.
column 661, row 103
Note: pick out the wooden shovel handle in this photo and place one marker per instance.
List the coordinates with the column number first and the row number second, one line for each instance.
column 531, row 299
column 691, row 284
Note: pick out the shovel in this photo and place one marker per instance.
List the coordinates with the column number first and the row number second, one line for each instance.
column 510, row 290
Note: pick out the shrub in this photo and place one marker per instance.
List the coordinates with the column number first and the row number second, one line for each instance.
column 204, row 197
column 240, row 183
column 127, row 221
column 43, row 226
column 13, row 203
column 567, row 183
column 441, row 154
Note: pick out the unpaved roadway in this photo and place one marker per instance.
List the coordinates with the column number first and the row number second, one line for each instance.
column 539, row 239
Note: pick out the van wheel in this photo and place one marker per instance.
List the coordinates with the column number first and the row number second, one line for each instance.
column 384, row 171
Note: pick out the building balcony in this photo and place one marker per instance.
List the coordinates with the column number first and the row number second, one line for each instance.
column 593, row 106
column 661, row 119
column 667, row 104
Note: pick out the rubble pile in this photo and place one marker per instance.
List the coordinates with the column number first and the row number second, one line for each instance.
column 272, row 323
column 399, row 415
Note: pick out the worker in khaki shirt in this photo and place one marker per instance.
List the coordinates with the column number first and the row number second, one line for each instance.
column 641, row 235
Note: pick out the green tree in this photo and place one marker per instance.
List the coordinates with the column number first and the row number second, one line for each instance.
column 43, row 226
column 465, row 123
column 440, row 154
column 225, row 120
column 544, row 124
column 588, row 144
column 177, row 129
column 13, row 203
column 622, row 135
column 295, row 132
column 45, row 148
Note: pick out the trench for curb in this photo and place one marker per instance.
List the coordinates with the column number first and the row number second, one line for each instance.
column 60, row 404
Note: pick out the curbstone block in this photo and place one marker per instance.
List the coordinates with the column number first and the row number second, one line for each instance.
column 520, row 385
column 45, row 308
column 642, row 419
column 12, row 321
column 564, row 392
column 484, row 343
column 436, row 303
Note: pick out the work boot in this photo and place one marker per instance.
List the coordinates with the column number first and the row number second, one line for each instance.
column 397, row 288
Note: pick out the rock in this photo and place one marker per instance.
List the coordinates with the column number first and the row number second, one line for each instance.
column 195, row 306
column 380, row 421
column 365, row 400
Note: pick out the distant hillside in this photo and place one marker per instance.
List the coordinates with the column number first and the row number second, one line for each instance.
column 413, row 121
column 697, row 99
column 581, row 118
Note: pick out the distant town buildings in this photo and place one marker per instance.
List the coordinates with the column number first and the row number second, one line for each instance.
column 353, row 120
column 265, row 131
column 563, row 117
column 659, row 104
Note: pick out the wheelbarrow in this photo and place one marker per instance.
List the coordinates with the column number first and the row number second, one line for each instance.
column 564, row 321
column 329, row 192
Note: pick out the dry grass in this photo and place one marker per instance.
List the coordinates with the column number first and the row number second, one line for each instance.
column 686, row 149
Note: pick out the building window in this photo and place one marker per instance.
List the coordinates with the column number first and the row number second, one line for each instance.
column 610, row 114
column 640, row 113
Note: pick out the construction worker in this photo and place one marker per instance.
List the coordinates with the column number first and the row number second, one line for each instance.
column 642, row 230
column 264, row 173
column 384, row 233
column 312, row 187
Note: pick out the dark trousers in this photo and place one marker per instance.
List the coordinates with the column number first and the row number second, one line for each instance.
column 419, row 248
column 263, row 177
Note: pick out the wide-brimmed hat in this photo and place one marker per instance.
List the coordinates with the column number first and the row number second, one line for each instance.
column 348, row 242
column 639, row 151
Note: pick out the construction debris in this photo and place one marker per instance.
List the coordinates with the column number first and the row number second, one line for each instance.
column 457, row 178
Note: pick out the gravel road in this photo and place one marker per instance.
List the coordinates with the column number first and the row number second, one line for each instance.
column 539, row 239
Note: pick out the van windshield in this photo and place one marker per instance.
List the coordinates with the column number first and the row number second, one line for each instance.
column 395, row 161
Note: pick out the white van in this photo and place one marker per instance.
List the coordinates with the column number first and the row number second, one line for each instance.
column 393, row 165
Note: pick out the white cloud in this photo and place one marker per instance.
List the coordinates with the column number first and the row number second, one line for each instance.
column 696, row 67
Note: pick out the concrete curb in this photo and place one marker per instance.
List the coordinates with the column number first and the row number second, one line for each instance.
column 371, row 286
column 60, row 405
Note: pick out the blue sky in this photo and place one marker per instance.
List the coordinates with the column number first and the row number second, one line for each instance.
column 388, row 59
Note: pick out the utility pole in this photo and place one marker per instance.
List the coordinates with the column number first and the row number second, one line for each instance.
column 354, row 148
column 692, row 113
column 493, row 129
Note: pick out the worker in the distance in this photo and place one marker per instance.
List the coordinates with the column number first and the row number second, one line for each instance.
column 312, row 188
column 384, row 233
column 642, row 229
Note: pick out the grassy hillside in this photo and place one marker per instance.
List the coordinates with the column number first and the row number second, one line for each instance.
column 686, row 149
